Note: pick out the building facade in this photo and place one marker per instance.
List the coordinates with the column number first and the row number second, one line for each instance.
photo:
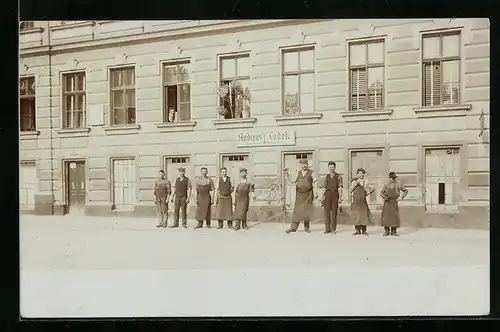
column 105, row 104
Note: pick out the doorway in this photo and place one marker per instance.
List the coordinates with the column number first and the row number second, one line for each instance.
column 75, row 186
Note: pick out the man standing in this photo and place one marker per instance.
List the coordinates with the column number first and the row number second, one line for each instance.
column 162, row 191
column 224, row 203
column 361, row 215
column 332, row 197
column 390, row 212
column 182, row 194
column 204, row 198
column 306, row 193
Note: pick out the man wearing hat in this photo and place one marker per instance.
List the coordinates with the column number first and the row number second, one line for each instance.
column 224, row 201
column 332, row 196
column 392, row 192
column 204, row 198
column 182, row 194
column 360, row 212
column 306, row 193
column 242, row 199
column 162, row 191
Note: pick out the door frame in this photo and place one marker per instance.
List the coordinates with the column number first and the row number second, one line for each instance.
column 111, row 178
column 221, row 156
column 283, row 182
column 64, row 183
column 31, row 162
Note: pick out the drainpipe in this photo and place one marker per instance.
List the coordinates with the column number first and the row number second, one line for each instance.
column 51, row 146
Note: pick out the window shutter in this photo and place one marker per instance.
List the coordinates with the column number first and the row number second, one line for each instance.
column 358, row 89
column 432, row 89
column 375, row 95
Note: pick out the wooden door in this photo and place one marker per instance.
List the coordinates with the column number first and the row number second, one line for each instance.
column 124, row 192
column 442, row 179
column 373, row 163
column 28, row 184
column 292, row 163
column 172, row 165
column 75, row 184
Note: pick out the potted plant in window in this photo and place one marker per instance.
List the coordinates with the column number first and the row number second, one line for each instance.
column 235, row 100
column 292, row 104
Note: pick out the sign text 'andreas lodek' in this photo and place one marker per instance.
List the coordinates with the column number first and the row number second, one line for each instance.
column 266, row 138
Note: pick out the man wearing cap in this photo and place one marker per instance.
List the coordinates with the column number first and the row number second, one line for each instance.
column 242, row 200
column 204, row 198
column 392, row 192
column 224, row 201
column 332, row 196
column 360, row 212
column 162, row 191
column 306, row 193
column 182, row 194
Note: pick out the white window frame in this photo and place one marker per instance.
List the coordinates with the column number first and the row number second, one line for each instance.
column 165, row 111
column 33, row 96
column 65, row 93
column 111, row 113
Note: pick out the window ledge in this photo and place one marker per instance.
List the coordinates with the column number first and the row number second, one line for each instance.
column 234, row 123
column 32, row 30
column 176, row 126
column 74, row 132
column 122, row 129
column 72, row 25
column 370, row 115
column 298, row 119
column 442, row 110
column 30, row 134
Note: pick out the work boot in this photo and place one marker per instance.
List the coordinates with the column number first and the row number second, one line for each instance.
column 363, row 230
column 394, row 231
column 160, row 224
column 307, row 227
column 199, row 225
column 327, row 231
column 386, row 231
column 209, row 224
column 230, row 224
column 357, row 230
column 175, row 225
column 184, row 225
column 237, row 227
column 245, row 226
column 221, row 224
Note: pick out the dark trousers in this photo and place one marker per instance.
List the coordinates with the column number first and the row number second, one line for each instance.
column 162, row 209
column 330, row 208
column 180, row 206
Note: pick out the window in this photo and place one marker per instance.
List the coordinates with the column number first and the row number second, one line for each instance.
column 234, row 89
column 366, row 70
column 123, row 96
column 74, row 100
column 27, row 104
column 177, row 92
column 298, row 81
column 26, row 25
column 441, row 69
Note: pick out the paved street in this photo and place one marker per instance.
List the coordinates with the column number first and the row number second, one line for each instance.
column 77, row 267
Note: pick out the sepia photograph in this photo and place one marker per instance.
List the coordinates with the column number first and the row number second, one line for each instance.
column 254, row 168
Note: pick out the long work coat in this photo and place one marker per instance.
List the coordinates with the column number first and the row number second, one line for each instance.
column 242, row 200
column 303, row 208
column 360, row 213
column 390, row 212
column 224, row 205
column 203, row 200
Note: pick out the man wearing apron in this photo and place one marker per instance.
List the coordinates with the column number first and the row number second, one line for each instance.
column 392, row 192
column 242, row 200
column 224, row 202
column 182, row 194
column 360, row 213
column 332, row 197
column 204, row 198
column 162, row 191
column 305, row 195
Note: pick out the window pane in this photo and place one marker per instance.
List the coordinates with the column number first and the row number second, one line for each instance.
column 376, row 52
column 432, row 84
column 80, row 119
column 131, row 115
column 375, row 87
column 119, row 116
column 118, row 98
column 306, row 83
column 171, row 74
column 31, row 85
column 451, row 76
column 70, row 102
column 431, row 47
column 358, row 89
column 451, row 45
column 80, row 102
column 69, row 119
column 307, row 103
column 23, row 86
column 357, row 54
column 130, row 97
column 171, row 95
column 81, row 82
column 185, row 112
column 70, row 84
column 117, row 78
column 306, row 60
column 184, row 93
column 290, row 61
column 243, row 66
column 291, row 84
column 129, row 77
column 184, row 72
column 228, row 69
